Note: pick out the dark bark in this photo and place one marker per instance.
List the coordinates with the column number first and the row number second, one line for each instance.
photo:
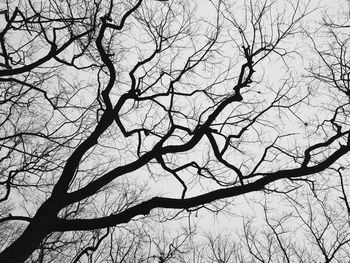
column 41, row 225
column 64, row 194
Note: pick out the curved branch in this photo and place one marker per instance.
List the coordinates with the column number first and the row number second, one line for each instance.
column 144, row 208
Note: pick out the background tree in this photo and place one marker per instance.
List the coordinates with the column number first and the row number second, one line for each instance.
column 116, row 115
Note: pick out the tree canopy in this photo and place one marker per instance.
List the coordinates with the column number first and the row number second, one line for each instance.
column 121, row 118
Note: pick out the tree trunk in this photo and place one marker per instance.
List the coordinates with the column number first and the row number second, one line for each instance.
column 32, row 236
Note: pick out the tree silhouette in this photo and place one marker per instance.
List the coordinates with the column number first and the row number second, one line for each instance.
column 114, row 111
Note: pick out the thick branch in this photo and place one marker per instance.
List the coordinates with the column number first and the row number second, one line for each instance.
column 144, row 208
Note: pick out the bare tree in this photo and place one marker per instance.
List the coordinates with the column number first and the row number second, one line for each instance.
column 104, row 104
column 313, row 226
column 311, row 222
